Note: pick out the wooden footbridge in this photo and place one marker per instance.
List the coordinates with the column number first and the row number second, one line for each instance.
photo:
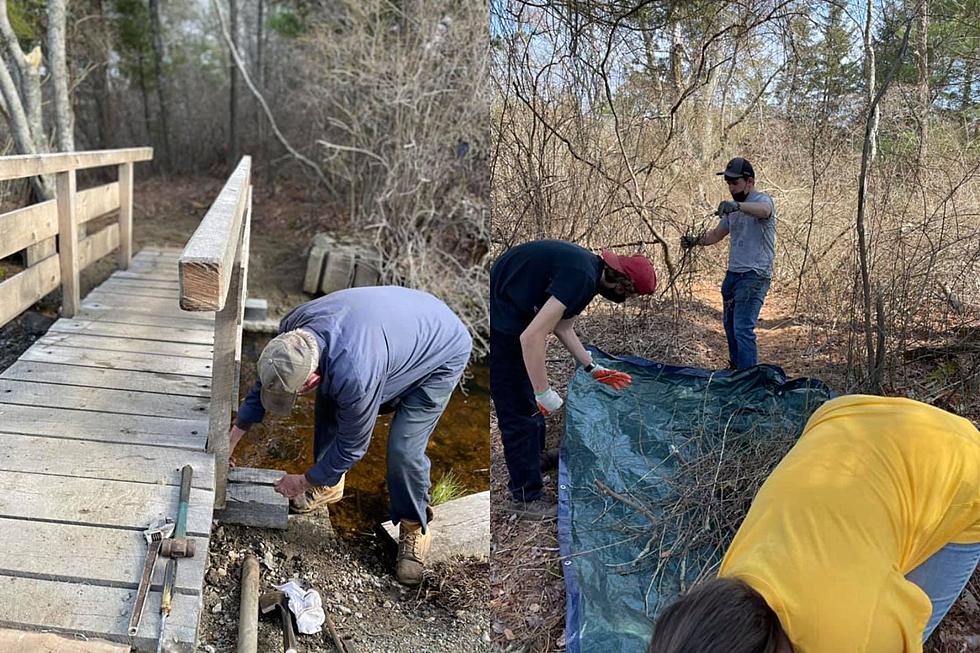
column 100, row 414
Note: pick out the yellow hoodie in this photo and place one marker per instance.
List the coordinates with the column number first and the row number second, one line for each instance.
column 874, row 487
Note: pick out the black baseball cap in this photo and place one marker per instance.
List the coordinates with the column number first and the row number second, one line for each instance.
column 738, row 168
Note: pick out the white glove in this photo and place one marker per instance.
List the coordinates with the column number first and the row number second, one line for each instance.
column 548, row 401
column 306, row 605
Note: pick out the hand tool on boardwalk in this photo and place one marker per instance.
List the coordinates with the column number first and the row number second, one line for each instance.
column 154, row 536
column 177, row 546
column 277, row 600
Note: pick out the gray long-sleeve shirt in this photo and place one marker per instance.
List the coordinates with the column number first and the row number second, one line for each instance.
column 376, row 344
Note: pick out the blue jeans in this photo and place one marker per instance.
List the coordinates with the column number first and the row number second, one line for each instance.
column 416, row 414
column 742, row 294
column 522, row 427
column 943, row 577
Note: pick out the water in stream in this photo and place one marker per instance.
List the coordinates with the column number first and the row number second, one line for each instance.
column 461, row 444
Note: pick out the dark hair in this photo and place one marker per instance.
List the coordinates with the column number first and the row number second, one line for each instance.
column 614, row 276
column 723, row 615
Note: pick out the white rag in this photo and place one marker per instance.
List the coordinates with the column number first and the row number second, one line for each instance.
column 306, row 605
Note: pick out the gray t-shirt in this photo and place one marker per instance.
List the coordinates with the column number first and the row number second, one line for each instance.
column 753, row 245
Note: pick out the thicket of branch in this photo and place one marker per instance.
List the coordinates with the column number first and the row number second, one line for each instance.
column 610, row 120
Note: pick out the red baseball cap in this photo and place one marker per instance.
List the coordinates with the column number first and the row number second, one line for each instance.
column 638, row 268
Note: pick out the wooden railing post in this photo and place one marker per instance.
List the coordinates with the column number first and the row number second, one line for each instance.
column 242, row 272
column 125, row 215
column 211, row 272
column 67, row 242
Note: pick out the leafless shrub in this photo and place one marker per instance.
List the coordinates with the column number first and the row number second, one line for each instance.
column 396, row 98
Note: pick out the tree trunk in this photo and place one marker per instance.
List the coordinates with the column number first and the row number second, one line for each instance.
column 104, row 107
column 233, row 77
column 23, row 100
column 63, row 118
column 922, row 45
column 676, row 72
column 869, row 77
column 874, row 360
column 158, row 56
column 146, row 98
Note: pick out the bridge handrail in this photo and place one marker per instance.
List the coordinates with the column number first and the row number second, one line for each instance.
column 39, row 223
column 213, row 272
column 30, row 165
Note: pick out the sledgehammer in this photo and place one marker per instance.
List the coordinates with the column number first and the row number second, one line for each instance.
column 271, row 601
column 177, row 546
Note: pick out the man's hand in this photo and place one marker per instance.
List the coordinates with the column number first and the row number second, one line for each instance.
column 292, row 485
column 613, row 378
column 548, row 401
column 234, row 436
column 726, row 207
column 688, row 241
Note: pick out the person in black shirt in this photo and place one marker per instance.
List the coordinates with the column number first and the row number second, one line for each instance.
column 537, row 289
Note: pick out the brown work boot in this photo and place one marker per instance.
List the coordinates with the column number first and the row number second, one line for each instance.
column 538, row 510
column 317, row 498
column 413, row 546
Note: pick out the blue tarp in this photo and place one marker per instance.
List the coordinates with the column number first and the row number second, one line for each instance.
column 625, row 440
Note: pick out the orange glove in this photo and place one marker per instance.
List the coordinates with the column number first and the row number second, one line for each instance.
column 614, row 379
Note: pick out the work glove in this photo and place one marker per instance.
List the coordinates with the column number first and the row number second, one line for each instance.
column 613, row 378
column 688, row 241
column 548, row 401
column 726, row 207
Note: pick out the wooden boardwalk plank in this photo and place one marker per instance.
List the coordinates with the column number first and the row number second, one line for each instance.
column 142, row 277
column 131, row 345
column 139, row 292
column 125, row 402
column 99, row 502
column 96, row 377
column 88, row 554
column 103, row 427
column 101, row 460
column 96, row 419
column 142, row 282
column 118, row 360
column 117, row 316
column 165, row 308
column 93, row 611
column 141, row 331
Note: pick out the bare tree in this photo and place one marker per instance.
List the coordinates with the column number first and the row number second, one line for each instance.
column 233, row 78
column 63, row 116
column 24, row 98
column 922, row 83
column 158, row 57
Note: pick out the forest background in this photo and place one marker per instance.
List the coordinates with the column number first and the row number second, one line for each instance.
column 372, row 113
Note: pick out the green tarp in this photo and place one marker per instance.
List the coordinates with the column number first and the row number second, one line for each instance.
column 630, row 443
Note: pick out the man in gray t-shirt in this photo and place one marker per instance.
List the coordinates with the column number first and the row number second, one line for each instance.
column 750, row 218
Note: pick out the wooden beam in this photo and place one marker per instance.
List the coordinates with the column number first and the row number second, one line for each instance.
column 22, row 640
column 242, row 270
column 97, row 245
column 125, row 214
column 23, row 289
column 227, row 335
column 68, row 242
column 30, row 165
column 206, row 264
column 33, row 224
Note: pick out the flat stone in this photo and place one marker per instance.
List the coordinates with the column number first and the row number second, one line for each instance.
column 461, row 528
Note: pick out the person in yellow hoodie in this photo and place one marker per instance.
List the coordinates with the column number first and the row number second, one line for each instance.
column 858, row 542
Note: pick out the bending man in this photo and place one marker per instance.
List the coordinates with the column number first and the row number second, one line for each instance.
column 366, row 350
column 537, row 289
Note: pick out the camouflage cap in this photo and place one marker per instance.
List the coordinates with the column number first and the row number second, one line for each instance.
column 284, row 366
